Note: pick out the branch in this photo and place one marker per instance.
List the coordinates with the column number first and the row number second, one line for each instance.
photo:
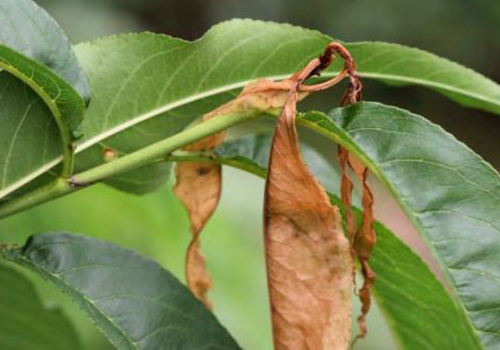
column 126, row 163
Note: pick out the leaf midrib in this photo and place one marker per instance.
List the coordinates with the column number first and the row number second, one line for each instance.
column 225, row 88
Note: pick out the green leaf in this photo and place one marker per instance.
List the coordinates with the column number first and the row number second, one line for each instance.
column 143, row 180
column 28, row 136
column 400, row 65
column 417, row 307
column 420, row 311
column 449, row 193
column 133, row 300
column 35, row 50
column 32, row 43
column 147, row 87
column 26, row 323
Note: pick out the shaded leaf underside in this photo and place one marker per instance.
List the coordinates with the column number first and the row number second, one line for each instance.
column 27, row 29
column 35, row 49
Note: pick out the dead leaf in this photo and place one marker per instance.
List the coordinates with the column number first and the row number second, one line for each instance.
column 346, row 186
column 198, row 188
column 364, row 241
column 200, row 193
column 308, row 257
column 199, row 184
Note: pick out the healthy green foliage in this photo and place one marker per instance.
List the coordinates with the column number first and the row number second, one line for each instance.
column 147, row 87
column 35, row 50
column 133, row 300
column 26, row 127
column 419, row 309
column 26, row 323
column 34, row 44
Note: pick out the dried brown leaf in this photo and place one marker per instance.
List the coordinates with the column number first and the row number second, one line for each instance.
column 364, row 241
column 200, row 193
column 198, row 188
column 199, row 184
column 309, row 264
column 346, row 186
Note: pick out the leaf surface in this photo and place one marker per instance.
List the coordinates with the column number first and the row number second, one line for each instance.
column 26, row 126
column 147, row 87
column 33, row 43
column 25, row 322
column 34, row 49
column 133, row 300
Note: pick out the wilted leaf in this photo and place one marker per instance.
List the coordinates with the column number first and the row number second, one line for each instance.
column 419, row 310
column 199, row 184
column 364, row 241
column 198, row 187
column 309, row 265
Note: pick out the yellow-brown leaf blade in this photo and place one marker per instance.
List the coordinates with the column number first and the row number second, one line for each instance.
column 198, row 188
column 308, row 257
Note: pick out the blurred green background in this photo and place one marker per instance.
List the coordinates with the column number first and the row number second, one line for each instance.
column 156, row 224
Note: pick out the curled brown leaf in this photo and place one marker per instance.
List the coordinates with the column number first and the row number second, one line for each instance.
column 308, row 258
column 364, row 241
column 198, row 184
column 198, row 188
column 346, row 186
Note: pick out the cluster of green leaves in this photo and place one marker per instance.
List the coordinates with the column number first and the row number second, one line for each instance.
column 145, row 90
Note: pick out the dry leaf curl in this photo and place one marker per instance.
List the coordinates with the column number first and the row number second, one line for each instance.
column 309, row 264
column 308, row 258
